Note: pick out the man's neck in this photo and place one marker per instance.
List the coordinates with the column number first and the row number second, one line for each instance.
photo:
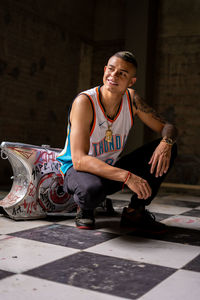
column 110, row 101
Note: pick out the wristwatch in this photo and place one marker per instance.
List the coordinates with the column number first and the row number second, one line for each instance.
column 168, row 140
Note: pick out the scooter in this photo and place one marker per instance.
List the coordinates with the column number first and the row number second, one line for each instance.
column 37, row 188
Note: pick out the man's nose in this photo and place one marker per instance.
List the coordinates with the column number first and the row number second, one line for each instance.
column 115, row 73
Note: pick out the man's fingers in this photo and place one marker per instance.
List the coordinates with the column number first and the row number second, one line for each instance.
column 162, row 167
column 140, row 186
column 159, row 167
column 145, row 190
column 149, row 189
column 153, row 165
column 151, row 159
column 167, row 166
column 160, row 160
column 139, row 194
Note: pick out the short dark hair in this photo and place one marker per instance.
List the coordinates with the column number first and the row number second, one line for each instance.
column 127, row 56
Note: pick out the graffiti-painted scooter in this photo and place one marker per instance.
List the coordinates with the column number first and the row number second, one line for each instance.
column 37, row 182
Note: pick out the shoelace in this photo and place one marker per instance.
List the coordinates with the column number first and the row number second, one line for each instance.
column 149, row 215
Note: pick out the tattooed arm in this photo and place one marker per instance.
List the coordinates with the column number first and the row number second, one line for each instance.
column 152, row 119
column 160, row 159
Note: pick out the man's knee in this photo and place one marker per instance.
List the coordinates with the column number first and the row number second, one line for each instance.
column 90, row 195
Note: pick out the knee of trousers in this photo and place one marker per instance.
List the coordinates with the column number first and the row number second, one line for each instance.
column 89, row 196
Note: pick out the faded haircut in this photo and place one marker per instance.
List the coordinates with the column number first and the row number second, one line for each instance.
column 127, row 56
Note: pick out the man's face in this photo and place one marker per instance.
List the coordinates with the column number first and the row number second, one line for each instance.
column 118, row 75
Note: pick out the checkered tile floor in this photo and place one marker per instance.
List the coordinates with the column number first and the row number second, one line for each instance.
column 51, row 259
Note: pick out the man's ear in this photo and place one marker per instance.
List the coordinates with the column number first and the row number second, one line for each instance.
column 105, row 68
column 132, row 81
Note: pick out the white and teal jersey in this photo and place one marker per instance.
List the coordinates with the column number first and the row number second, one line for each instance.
column 65, row 156
column 106, row 151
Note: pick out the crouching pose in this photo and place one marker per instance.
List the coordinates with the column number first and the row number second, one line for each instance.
column 99, row 122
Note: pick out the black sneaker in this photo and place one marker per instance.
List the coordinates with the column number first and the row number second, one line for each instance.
column 85, row 219
column 142, row 221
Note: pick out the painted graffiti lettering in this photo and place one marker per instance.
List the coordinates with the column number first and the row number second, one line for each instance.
column 31, row 195
column 10, row 199
column 43, row 168
column 45, row 156
column 55, row 166
column 16, row 210
column 46, row 204
column 27, row 153
column 35, row 172
column 32, row 190
column 30, row 206
column 18, row 188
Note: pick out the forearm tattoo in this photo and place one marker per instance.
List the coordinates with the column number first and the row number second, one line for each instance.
column 139, row 103
column 169, row 130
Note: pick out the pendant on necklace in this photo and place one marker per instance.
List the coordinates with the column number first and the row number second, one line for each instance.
column 108, row 136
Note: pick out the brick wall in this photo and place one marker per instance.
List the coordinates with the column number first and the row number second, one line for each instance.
column 39, row 69
column 51, row 50
column 177, row 78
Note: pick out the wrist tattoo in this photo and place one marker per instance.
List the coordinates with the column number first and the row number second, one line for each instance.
column 169, row 132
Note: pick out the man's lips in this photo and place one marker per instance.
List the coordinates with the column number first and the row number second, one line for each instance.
column 112, row 82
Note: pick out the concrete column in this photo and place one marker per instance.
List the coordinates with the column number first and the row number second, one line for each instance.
column 85, row 67
column 137, row 20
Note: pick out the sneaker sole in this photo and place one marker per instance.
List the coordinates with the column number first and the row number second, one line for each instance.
column 85, row 227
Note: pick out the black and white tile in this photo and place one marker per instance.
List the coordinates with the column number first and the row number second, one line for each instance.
column 53, row 259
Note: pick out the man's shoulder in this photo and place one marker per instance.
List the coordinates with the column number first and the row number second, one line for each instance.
column 85, row 99
column 131, row 91
column 91, row 91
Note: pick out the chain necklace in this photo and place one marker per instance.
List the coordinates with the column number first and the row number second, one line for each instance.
column 108, row 133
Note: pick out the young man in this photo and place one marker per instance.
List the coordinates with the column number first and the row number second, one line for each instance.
column 99, row 123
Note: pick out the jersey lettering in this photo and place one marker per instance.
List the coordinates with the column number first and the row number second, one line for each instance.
column 103, row 146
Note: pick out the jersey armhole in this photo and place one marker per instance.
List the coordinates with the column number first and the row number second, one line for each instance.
column 94, row 115
column 130, row 106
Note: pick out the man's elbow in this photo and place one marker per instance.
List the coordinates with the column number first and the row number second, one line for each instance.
column 77, row 164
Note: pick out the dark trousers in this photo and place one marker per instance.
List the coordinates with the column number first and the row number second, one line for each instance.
column 90, row 190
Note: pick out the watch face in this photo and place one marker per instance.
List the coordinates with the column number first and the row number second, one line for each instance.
column 169, row 141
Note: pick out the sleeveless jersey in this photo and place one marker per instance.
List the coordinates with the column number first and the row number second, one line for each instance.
column 106, row 151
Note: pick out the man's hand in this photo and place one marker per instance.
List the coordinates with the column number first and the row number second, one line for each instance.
column 140, row 186
column 160, row 159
